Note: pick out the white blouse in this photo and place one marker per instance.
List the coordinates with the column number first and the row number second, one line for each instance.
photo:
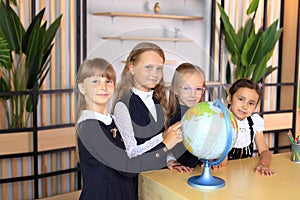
column 244, row 137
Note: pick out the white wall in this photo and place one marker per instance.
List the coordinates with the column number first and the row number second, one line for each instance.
column 115, row 51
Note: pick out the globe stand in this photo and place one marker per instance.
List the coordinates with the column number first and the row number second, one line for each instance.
column 206, row 181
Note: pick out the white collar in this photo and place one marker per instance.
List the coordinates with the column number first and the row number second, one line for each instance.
column 142, row 94
column 89, row 114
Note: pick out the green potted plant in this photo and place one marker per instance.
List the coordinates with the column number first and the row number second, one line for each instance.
column 4, row 52
column 28, row 63
column 249, row 50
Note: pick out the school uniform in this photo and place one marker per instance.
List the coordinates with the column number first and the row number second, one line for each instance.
column 107, row 171
column 140, row 118
column 143, row 122
column 179, row 151
column 247, row 128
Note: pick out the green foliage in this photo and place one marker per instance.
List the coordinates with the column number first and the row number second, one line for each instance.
column 28, row 64
column 4, row 52
column 250, row 51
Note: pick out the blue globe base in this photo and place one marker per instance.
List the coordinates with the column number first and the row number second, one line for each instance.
column 206, row 181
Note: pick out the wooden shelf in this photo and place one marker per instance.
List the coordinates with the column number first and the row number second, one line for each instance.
column 148, row 38
column 167, row 62
column 144, row 15
column 208, row 83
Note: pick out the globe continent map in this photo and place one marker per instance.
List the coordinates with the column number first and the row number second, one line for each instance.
column 205, row 132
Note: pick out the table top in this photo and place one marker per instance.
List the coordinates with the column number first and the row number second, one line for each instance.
column 241, row 182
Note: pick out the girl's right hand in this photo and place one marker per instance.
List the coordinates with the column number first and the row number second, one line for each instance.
column 172, row 135
column 174, row 165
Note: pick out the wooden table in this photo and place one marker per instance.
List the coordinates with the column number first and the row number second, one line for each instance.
column 240, row 182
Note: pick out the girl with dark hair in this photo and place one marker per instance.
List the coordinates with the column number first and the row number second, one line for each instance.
column 244, row 96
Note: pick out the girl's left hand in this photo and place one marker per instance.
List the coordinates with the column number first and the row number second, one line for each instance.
column 264, row 170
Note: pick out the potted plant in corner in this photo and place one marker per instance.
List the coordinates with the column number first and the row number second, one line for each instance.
column 4, row 54
column 28, row 63
column 250, row 51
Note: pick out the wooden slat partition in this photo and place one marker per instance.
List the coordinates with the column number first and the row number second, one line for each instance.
column 3, row 172
column 53, row 71
column 63, row 66
column 72, row 175
column 44, row 180
column 16, row 167
column 53, row 109
column 72, row 51
column 25, row 173
column 54, row 178
column 14, row 174
column 14, row 143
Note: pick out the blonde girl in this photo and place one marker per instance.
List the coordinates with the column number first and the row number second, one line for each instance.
column 141, row 102
column 186, row 90
column 107, row 171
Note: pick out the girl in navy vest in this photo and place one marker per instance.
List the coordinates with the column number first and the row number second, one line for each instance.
column 141, row 102
column 187, row 89
column 244, row 96
column 108, row 173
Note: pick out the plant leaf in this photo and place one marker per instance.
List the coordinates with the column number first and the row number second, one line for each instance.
column 259, row 70
column 36, row 22
column 13, row 1
column 5, row 59
column 51, row 32
column 239, row 71
column 269, row 70
column 252, row 50
column 4, row 87
column 44, row 75
column 247, row 30
column 249, row 71
column 232, row 41
column 29, row 103
column 34, row 54
column 270, row 37
column 11, row 27
column 253, row 6
column 228, row 73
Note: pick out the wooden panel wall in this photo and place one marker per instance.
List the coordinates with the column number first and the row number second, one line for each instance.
column 53, row 109
column 289, row 58
column 18, row 167
column 48, row 140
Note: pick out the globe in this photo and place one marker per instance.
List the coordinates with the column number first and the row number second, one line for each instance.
column 209, row 132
